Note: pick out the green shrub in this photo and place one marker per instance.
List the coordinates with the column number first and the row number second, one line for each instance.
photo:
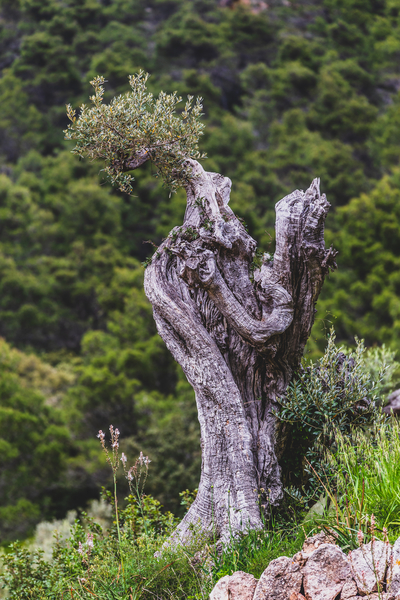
column 340, row 391
column 135, row 128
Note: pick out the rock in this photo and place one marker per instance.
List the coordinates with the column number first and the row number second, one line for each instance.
column 326, row 573
column 220, row 590
column 296, row 596
column 349, row 590
column 368, row 564
column 382, row 596
column 239, row 586
column 314, row 542
column 311, row 544
column 375, row 596
column 279, row 581
column 394, row 569
column 393, row 405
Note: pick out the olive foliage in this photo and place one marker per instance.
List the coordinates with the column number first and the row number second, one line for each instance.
column 135, row 128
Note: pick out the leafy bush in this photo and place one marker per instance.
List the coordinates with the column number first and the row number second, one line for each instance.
column 90, row 566
column 340, row 390
column 380, row 363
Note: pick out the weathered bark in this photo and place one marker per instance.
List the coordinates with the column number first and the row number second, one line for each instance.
column 238, row 337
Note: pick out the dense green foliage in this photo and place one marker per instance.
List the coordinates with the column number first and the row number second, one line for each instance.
column 342, row 390
column 331, row 399
column 97, row 572
column 34, row 440
column 296, row 91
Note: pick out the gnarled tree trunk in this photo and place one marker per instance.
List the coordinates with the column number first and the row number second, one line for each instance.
column 238, row 337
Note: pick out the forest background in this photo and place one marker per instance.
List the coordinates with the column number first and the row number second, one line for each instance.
column 292, row 91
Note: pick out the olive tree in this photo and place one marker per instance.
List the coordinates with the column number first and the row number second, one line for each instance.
column 238, row 333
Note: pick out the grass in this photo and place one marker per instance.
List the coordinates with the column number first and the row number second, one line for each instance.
column 362, row 483
column 123, row 562
column 94, row 564
column 253, row 551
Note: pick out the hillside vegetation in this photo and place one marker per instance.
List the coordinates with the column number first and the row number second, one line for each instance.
column 299, row 90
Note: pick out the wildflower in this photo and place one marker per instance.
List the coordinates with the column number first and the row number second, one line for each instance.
column 123, row 459
column 90, row 542
column 360, row 537
column 372, row 522
column 101, row 436
column 80, row 548
column 143, row 460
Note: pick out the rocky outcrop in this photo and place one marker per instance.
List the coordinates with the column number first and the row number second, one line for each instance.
column 321, row 571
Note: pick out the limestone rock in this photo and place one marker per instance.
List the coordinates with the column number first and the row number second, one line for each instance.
column 383, row 596
column 368, row 564
column 220, row 590
column 349, row 590
column 279, row 581
column 239, row 586
column 314, row 542
column 394, row 569
column 311, row 544
column 326, row 573
column 393, row 405
column 300, row 559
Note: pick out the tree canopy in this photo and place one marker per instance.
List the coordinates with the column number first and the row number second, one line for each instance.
column 295, row 91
